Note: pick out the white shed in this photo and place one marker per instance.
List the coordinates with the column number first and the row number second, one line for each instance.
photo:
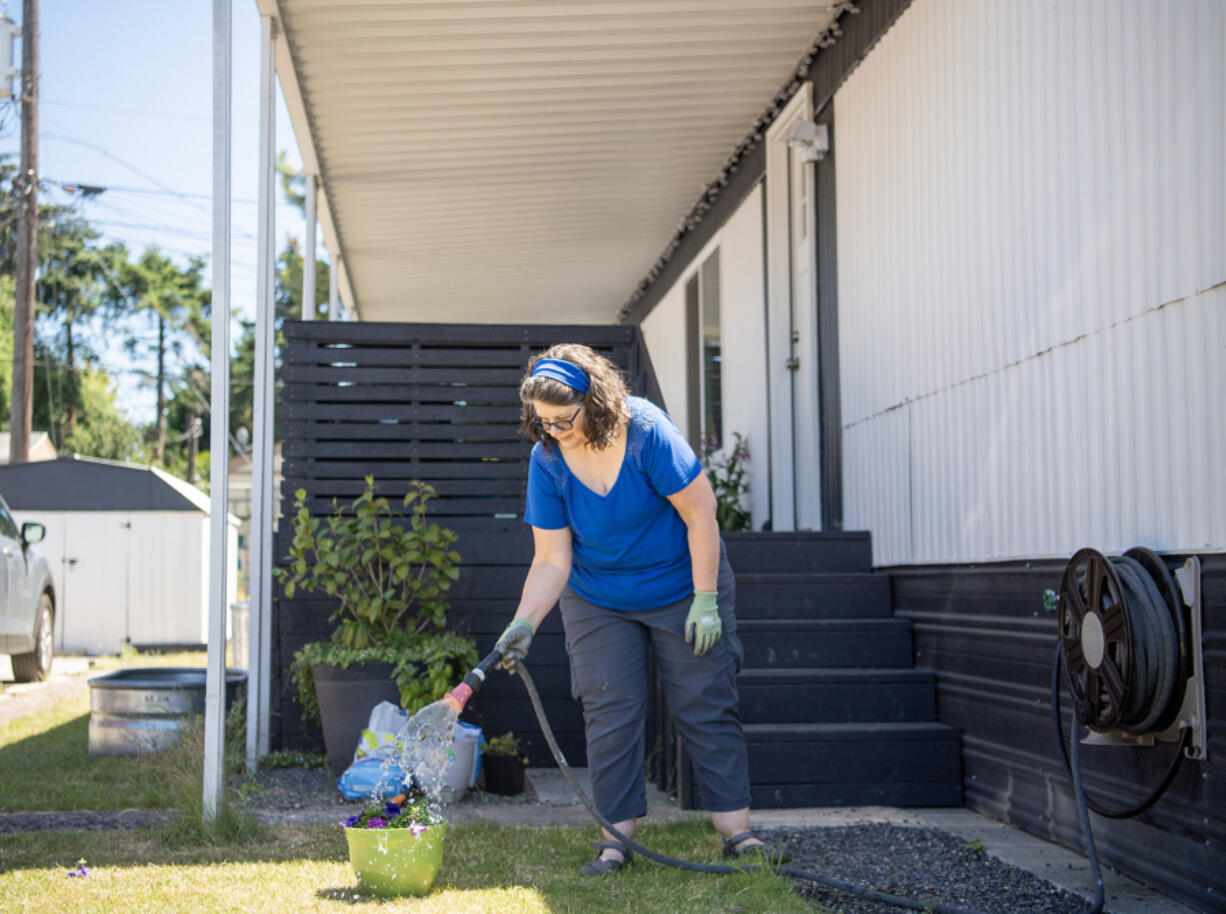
column 128, row 547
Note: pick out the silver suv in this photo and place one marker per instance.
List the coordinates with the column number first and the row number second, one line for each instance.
column 27, row 599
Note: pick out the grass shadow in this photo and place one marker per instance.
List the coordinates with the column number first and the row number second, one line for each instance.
column 46, row 766
column 145, row 847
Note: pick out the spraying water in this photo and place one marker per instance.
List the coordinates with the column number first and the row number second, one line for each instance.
column 423, row 744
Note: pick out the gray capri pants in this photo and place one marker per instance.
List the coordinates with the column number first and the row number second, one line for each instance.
column 608, row 662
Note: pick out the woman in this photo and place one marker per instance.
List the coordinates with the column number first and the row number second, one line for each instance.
column 626, row 543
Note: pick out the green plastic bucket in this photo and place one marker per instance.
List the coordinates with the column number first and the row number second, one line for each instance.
column 394, row 861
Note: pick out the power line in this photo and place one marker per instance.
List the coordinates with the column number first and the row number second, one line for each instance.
column 121, row 188
column 101, row 150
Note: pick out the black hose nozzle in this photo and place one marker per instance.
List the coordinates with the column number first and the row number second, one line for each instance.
column 458, row 697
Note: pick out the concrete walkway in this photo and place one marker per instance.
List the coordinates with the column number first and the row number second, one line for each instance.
column 17, row 699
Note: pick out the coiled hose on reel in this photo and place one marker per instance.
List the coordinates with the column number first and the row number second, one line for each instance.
column 1125, row 650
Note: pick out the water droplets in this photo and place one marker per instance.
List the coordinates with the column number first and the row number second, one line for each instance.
column 423, row 747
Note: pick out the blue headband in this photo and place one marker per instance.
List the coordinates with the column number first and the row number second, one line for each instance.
column 568, row 373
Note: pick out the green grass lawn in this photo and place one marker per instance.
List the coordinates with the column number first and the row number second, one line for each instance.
column 44, row 765
column 486, row 868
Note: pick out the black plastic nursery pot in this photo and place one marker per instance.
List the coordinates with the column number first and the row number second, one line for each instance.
column 504, row 774
column 346, row 697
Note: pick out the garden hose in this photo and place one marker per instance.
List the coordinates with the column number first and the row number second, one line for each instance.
column 1079, row 790
column 794, row 872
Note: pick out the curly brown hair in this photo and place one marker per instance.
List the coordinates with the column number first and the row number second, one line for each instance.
column 604, row 403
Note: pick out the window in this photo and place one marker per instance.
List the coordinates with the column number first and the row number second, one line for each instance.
column 704, row 358
column 8, row 526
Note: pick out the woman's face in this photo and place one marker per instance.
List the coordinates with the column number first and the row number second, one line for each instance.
column 562, row 423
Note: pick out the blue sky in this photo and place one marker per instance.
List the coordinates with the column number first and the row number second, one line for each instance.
column 126, row 104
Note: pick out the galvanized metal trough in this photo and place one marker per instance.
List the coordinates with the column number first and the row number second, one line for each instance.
column 144, row 710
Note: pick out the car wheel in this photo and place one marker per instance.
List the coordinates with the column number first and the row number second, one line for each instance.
column 36, row 665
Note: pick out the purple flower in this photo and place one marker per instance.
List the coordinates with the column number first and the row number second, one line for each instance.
column 351, row 821
column 81, row 870
column 391, row 809
column 376, row 822
column 416, row 829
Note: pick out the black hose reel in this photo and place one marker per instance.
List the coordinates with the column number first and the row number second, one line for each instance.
column 1130, row 642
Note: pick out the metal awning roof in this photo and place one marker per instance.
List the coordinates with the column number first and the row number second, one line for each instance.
column 522, row 160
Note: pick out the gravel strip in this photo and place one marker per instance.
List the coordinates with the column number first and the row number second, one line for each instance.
column 923, row 864
column 289, row 789
column 126, row 819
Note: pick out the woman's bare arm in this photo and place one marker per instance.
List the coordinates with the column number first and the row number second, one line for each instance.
column 696, row 505
column 548, row 575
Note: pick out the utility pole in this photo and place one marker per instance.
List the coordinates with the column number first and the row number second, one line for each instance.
column 26, row 187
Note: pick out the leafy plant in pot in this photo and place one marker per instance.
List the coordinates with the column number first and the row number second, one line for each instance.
column 503, row 761
column 390, row 573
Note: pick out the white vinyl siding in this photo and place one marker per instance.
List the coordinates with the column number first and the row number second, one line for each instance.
column 743, row 317
column 1032, row 280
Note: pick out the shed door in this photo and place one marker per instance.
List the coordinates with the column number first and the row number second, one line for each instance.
column 96, row 590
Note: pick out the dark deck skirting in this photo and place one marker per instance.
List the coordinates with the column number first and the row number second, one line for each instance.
column 982, row 630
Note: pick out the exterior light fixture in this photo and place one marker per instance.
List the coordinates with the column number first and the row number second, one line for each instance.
column 811, row 140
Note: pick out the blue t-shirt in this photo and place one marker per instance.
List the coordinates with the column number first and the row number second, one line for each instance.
column 630, row 548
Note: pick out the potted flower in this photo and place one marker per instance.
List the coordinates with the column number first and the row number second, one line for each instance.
column 396, row 847
column 729, row 476
column 503, row 761
column 389, row 573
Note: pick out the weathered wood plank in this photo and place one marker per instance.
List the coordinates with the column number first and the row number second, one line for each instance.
column 388, row 470
column 301, row 352
column 402, row 431
column 447, row 393
column 395, row 489
column 335, row 374
column 401, row 412
column 375, row 450
column 441, row 508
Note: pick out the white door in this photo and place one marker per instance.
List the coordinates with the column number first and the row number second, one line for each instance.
column 791, row 317
column 96, row 591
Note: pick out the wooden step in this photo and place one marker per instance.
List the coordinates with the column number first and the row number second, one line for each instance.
column 836, row 551
column 778, row 595
column 836, row 696
column 832, row 643
column 899, row 764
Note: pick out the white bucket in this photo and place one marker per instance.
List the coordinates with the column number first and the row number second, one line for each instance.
column 458, row 775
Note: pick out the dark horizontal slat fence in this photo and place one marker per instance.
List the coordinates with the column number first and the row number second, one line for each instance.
column 440, row 403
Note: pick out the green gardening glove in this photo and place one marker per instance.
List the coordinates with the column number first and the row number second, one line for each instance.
column 514, row 643
column 702, row 625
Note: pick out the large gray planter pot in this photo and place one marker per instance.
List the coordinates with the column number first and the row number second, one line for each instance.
column 346, row 697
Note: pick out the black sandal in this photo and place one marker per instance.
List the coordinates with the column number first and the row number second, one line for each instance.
column 601, row 866
column 772, row 854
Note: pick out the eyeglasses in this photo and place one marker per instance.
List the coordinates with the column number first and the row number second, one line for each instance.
column 561, row 425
